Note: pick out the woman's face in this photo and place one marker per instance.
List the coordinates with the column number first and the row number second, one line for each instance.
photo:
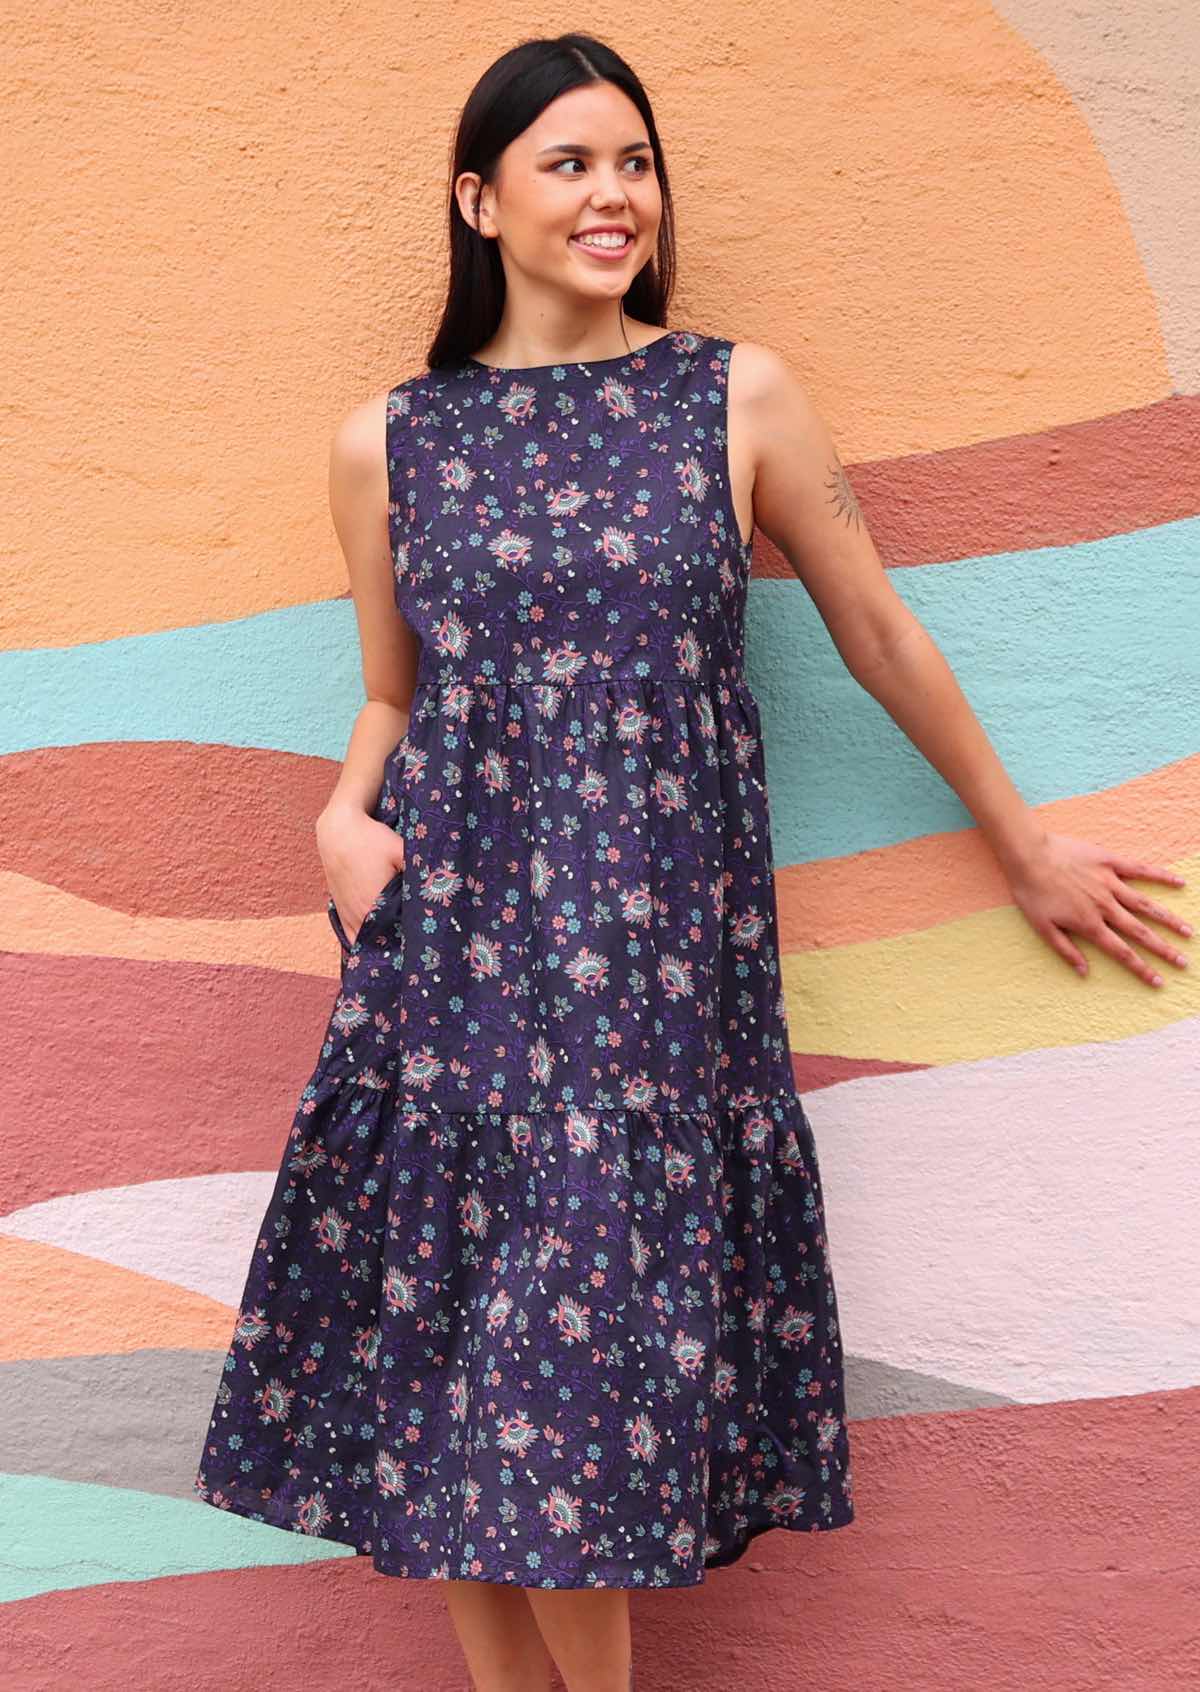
column 584, row 163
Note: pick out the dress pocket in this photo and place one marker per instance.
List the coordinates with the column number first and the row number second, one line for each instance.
column 379, row 905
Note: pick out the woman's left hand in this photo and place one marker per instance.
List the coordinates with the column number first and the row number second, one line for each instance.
column 1074, row 885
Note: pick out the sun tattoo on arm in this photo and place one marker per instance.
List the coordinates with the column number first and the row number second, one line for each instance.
column 842, row 494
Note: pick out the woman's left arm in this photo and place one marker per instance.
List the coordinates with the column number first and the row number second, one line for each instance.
column 804, row 502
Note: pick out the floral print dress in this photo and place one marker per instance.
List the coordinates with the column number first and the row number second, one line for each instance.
column 543, row 1293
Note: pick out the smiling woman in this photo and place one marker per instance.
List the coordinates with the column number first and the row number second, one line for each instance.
column 543, row 1300
column 552, row 1142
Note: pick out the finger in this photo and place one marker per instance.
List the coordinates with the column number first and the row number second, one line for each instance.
column 1111, row 942
column 1128, row 924
column 1146, row 872
column 1058, row 942
column 1146, row 907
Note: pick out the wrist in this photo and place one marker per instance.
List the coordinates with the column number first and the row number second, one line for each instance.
column 1018, row 849
column 339, row 808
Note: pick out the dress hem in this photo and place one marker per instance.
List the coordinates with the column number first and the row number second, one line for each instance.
column 250, row 1507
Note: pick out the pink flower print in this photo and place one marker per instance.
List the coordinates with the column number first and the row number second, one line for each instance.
column 588, row 970
column 389, row 1473
column 498, row 1311
column 632, row 723
column 743, row 747
column 561, row 1511
column 365, row 1349
column 332, row 1230
column 456, row 474
column 421, row 1069
column 669, row 791
column 563, row 663
column 707, row 716
column 581, row 1132
column 547, row 700
column 756, row 1314
column 472, row 1492
column 682, row 1541
column 349, row 1013
column 250, row 1327
column 541, row 873
column 274, row 1401
column 790, row 1154
column 310, row 1157
column 688, row 1353
column 639, row 1252
column 483, row 957
column 592, row 788
column 475, row 1214
column 510, row 549
column 520, row 1133
column 400, row 556
column 399, row 1292
column 441, row 884
column 457, row 700
column 784, row 1501
column 415, row 760
column 516, row 1434
column 794, row 1327
column 571, row 1319
column 451, row 636
column 519, row 403
column 637, row 905
column 724, row 1380
column 617, row 547
column 679, row 1167
column 756, row 1131
column 313, row 1514
column 459, row 1397
column 638, row 1092
column 693, row 478
column 727, row 576
column 827, row 1432
column 617, row 398
column 675, row 975
column 541, row 1063
column 643, row 1439
column 688, row 653
column 494, row 770
column 566, row 502
column 747, row 929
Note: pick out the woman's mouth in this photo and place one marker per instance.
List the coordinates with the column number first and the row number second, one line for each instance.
column 610, row 247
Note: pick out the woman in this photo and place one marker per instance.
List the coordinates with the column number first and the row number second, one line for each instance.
column 543, row 1305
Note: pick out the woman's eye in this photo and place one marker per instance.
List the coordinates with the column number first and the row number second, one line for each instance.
column 644, row 163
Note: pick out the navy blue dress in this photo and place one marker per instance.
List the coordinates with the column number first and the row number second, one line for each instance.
column 543, row 1293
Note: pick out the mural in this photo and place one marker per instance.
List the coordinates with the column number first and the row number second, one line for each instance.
column 974, row 231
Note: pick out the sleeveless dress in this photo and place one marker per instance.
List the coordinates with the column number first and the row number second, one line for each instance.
column 543, row 1294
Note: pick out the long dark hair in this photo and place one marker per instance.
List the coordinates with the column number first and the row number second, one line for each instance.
column 504, row 102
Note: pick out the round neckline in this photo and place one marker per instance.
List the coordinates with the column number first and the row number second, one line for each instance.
column 574, row 363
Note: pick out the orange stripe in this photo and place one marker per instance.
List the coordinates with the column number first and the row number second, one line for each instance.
column 1075, row 482
column 889, row 890
column 61, row 1303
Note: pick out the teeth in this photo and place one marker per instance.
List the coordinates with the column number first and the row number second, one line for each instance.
column 601, row 240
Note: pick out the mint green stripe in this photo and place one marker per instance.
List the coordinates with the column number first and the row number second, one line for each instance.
column 288, row 679
column 62, row 1534
column 1081, row 661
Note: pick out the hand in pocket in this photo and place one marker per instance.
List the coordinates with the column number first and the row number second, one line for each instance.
column 361, row 858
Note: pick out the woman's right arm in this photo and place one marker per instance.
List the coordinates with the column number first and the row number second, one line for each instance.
column 358, row 853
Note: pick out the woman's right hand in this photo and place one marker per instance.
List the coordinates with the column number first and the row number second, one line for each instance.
column 359, row 856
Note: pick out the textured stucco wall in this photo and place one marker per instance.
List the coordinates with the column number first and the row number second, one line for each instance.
column 972, row 228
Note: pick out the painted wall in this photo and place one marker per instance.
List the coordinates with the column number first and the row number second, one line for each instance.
column 972, row 228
